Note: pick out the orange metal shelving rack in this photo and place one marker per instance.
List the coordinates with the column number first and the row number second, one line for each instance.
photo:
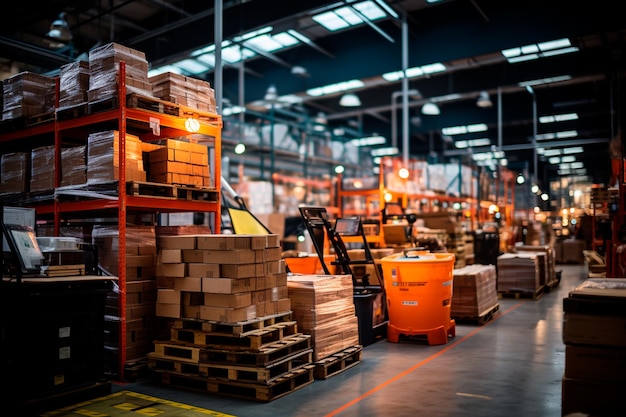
column 169, row 126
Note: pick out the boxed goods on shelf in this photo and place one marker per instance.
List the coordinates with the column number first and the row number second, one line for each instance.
column 42, row 168
column 27, row 94
column 188, row 91
column 103, row 157
column 179, row 162
column 15, row 172
column 104, row 71
column 74, row 165
column 73, row 83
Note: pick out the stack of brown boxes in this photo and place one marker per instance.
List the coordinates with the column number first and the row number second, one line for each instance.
column 323, row 306
column 27, row 94
column 42, row 168
column 14, row 172
column 520, row 273
column 74, row 165
column 474, row 291
column 103, row 157
column 104, row 72
column 188, row 91
column 226, row 278
column 179, row 162
column 141, row 321
column 594, row 319
column 548, row 253
column 73, row 83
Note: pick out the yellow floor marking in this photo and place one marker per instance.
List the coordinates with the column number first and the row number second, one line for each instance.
column 129, row 403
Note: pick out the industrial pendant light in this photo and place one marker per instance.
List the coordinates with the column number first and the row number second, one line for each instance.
column 59, row 34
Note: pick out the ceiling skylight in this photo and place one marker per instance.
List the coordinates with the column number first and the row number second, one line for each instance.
column 347, row 16
column 539, row 50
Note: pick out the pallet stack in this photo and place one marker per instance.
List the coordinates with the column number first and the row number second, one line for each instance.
column 474, row 297
column 520, row 274
column 323, row 306
column 233, row 331
column 594, row 317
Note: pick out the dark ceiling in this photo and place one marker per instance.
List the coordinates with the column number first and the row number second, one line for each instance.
column 466, row 35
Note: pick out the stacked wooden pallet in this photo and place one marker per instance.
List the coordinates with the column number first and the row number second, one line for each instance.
column 260, row 359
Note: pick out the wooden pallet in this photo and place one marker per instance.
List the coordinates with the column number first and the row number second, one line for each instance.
column 482, row 318
column 242, row 328
column 265, row 356
column 240, row 373
column 251, row 340
column 518, row 294
column 63, row 270
column 137, row 101
column 72, row 112
column 338, row 362
column 286, row 384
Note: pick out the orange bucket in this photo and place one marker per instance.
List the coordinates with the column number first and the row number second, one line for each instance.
column 310, row 264
column 418, row 287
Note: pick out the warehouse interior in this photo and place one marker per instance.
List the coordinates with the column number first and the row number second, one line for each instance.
column 326, row 148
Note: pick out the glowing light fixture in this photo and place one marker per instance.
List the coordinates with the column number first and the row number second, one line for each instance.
column 59, row 33
column 192, row 125
column 431, row 109
column 350, row 100
column 240, row 148
column 403, row 173
column 339, row 169
column 484, row 100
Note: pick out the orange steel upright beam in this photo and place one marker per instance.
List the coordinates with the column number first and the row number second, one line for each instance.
column 122, row 218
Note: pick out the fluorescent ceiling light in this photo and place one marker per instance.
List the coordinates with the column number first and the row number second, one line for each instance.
column 344, row 17
column 538, row 50
column 472, row 143
column 548, row 80
column 335, row 88
column 558, row 118
column 557, row 135
column 387, row 151
column 572, row 150
column 415, row 71
column 369, row 141
column 461, row 130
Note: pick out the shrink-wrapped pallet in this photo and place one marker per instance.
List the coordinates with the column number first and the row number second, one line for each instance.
column 27, row 94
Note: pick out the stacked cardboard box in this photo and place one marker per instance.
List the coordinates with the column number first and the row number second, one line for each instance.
column 73, row 83
column 548, row 253
column 104, row 72
column 474, row 292
column 225, row 278
column 27, row 94
column 572, row 251
column 74, row 165
column 141, row 321
column 42, row 168
column 103, row 157
column 14, row 172
column 179, row 162
column 519, row 272
column 594, row 319
column 188, row 91
column 323, row 306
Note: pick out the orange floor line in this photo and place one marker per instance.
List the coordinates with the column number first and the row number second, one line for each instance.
column 419, row 364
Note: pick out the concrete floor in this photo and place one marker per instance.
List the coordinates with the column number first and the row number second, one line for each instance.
column 510, row 366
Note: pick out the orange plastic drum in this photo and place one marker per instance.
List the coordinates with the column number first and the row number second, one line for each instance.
column 418, row 286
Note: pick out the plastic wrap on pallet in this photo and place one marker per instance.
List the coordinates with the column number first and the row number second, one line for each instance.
column 104, row 64
column 27, row 94
column 140, row 248
column 103, row 157
column 42, row 168
column 73, row 83
column 74, row 165
column 187, row 91
column 14, row 172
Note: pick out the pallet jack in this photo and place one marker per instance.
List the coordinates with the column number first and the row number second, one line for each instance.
column 369, row 297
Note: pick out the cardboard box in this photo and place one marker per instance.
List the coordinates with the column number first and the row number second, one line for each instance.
column 203, row 270
column 237, row 300
column 226, row 314
column 227, row 285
